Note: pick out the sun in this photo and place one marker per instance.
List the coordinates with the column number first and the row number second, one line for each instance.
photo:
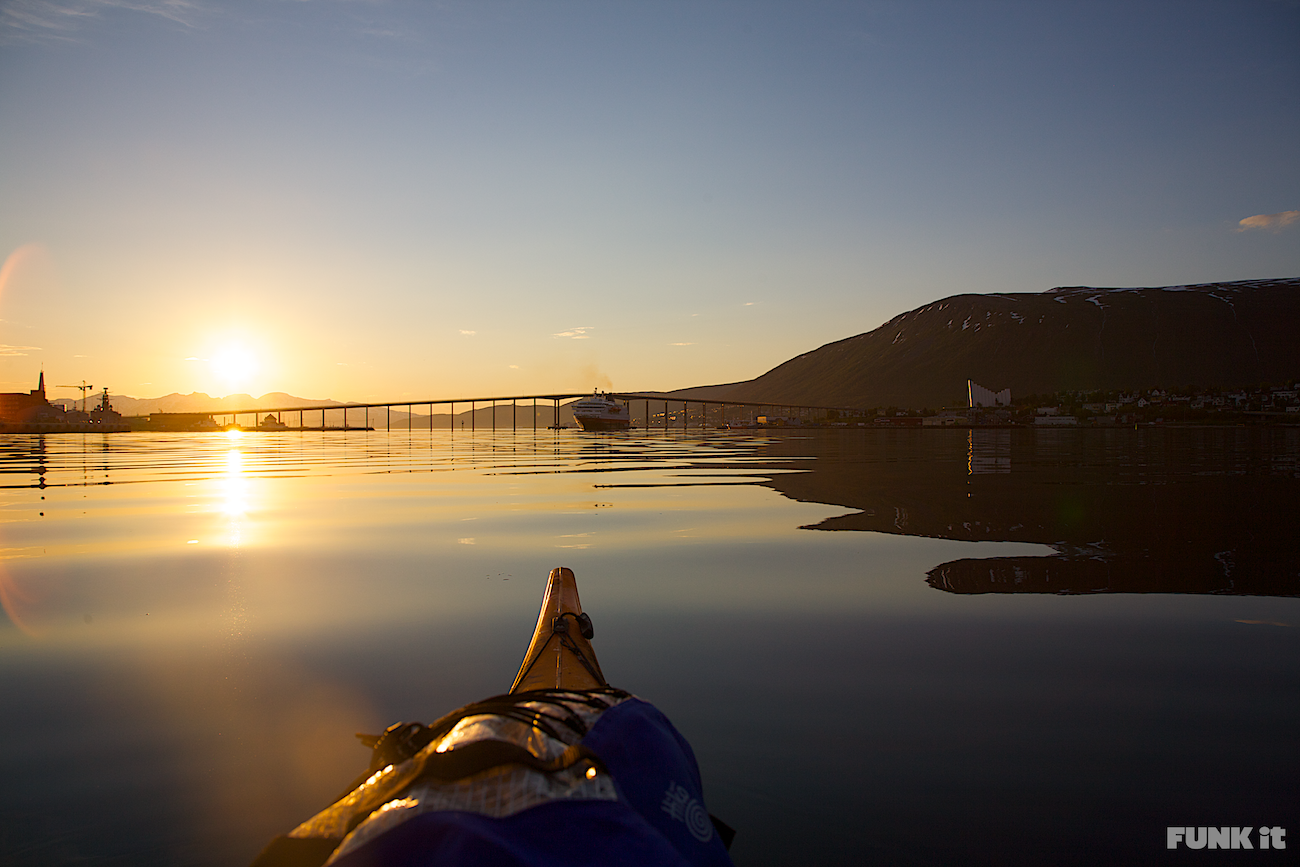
column 235, row 365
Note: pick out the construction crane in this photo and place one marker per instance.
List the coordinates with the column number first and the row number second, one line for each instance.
column 84, row 388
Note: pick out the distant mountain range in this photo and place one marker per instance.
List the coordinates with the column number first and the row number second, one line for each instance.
column 196, row 402
column 398, row 417
column 1215, row 335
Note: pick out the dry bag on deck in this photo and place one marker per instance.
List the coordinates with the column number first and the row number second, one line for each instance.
column 543, row 778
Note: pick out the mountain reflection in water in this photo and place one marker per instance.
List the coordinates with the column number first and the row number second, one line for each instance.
column 1174, row 510
column 195, row 624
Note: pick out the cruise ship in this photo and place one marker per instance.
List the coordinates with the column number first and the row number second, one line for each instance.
column 600, row 412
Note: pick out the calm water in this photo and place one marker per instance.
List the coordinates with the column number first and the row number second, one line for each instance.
column 911, row 647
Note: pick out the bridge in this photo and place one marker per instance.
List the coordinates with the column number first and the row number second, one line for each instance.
column 706, row 410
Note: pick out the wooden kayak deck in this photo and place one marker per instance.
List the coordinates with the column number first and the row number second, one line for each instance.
column 560, row 656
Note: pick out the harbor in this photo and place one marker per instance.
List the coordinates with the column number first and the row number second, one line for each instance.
column 32, row 412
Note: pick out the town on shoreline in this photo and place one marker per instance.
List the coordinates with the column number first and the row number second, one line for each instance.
column 1276, row 405
column 1266, row 405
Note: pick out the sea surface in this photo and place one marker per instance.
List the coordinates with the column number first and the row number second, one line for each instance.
column 886, row 647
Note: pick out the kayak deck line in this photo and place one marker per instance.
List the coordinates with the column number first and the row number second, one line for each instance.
column 560, row 655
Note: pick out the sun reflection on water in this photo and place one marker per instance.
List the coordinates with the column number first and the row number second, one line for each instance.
column 235, row 489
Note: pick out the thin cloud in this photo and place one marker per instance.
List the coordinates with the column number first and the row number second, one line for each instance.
column 576, row 333
column 5, row 349
column 468, row 333
column 749, row 303
column 513, row 366
column 403, row 35
column 36, row 20
column 1269, row 222
column 681, row 344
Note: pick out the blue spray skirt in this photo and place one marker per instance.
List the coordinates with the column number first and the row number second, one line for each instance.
column 627, row 792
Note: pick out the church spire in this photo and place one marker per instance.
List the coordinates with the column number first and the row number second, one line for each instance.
column 40, row 389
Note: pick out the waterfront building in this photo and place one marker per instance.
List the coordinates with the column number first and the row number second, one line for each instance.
column 179, row 421
column 981, row 396
column 29, row 407
column 31, row 412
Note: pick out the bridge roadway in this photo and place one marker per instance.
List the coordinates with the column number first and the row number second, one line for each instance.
column 513, row 400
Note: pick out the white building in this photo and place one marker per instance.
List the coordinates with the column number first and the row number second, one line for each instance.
column 981, row 396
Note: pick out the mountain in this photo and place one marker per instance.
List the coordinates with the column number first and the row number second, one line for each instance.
column 1194, row 520
column 1216, row 335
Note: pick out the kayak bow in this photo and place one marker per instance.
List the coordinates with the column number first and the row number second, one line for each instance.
column 560, row 656
column 561, row 770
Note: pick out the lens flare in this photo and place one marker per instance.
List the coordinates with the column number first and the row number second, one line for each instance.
column 17, row 602
column 26, row 263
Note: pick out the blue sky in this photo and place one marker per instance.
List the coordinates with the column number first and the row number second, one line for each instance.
column 387, row 200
